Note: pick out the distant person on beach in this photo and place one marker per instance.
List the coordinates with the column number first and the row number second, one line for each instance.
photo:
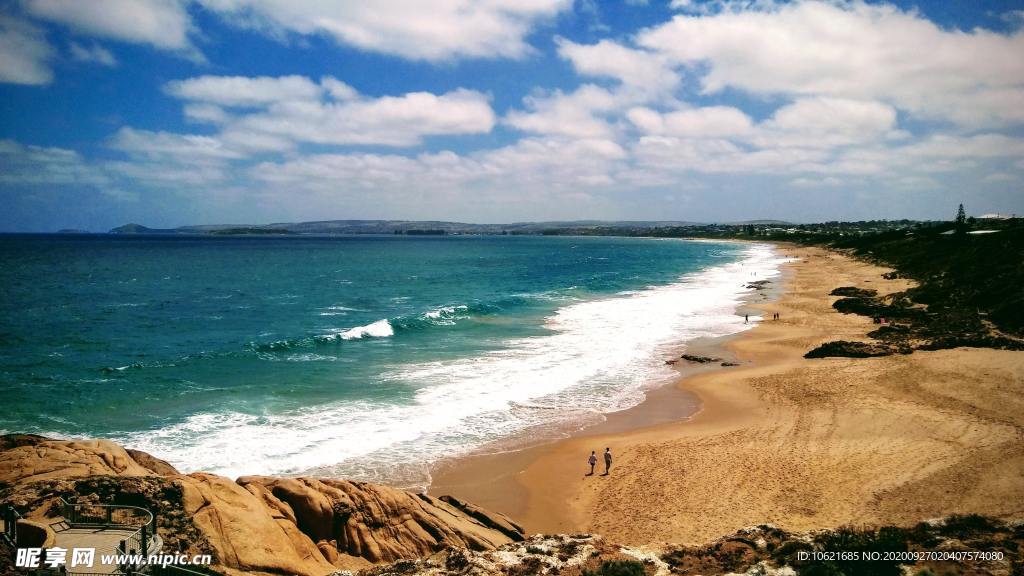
column 607, row 460
column 746, row 318
column 592, row 461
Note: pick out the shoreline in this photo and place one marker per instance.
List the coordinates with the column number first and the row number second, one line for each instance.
column 800, row 443
column 488, row 473
column 662, row 403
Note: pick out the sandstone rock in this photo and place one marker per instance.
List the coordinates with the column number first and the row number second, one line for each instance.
column 499, row 522
column 383, row 524
column 248, row 535
column 161, row 467
column 45, row 459
column 257, row 525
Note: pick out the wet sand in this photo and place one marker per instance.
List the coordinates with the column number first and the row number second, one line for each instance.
column 799, row 443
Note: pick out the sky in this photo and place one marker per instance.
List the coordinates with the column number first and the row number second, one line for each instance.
column 176, row 112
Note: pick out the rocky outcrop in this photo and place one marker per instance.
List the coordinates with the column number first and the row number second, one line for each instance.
column 27, row 458
column 161, row 467
column 247, row 532
column 255, row 525
column 378, row 523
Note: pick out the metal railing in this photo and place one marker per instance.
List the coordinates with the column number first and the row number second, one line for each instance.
column 143, row 540
column 10, row 517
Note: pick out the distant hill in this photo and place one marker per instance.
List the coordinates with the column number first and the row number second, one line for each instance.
column 140, row 229
column 399, row 227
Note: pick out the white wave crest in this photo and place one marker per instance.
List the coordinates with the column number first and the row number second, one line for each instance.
column 379, row 329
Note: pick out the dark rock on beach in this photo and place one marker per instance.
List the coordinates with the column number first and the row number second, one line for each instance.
column 854, row 291
column 848, row 349
column 700, row 359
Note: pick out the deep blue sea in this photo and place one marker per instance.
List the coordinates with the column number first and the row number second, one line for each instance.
column 366, row 357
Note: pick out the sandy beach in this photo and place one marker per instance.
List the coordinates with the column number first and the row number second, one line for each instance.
column 795, row 442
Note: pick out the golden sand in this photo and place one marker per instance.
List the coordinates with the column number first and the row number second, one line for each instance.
column 799, row 443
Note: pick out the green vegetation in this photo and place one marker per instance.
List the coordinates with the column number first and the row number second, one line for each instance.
column 969, row 288
column 617, row 568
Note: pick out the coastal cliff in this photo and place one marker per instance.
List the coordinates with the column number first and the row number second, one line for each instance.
column 255, row 525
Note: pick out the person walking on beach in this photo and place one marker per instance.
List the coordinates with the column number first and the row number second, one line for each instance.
column 592, row 461
column 746, row 318
column 607, row 460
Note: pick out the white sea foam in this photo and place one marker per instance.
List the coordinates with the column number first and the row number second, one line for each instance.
column 600, row 356
column 447, row 315
column 379, row 329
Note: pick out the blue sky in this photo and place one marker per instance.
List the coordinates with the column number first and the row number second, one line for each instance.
column 172, row 112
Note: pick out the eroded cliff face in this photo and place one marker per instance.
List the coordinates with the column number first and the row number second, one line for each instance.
column 256, row 524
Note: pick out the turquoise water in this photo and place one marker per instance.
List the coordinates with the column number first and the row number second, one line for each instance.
column 360, row 356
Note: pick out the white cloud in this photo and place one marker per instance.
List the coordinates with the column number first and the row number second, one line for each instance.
column 976, row 146
column 638, row 69
column 245, row 91
column 295, row 109
column 40, row 165
column 206, row 113
column 853, row 51
column 705, row 122
column 827, row 123
column 389, row 120
column 578, row 114
column 186, row 148
column 24, row 53
column 95, row 54
column 542, row 173
column 411, row 29
column 164, row 24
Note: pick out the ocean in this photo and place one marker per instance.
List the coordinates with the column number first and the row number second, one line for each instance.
column 365, row 357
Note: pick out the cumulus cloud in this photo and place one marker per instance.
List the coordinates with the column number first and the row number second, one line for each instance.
column 389, row 121
column 295, row 109
column 853, row 51
column 94, row 54
column 640, row 70
column 413, row 29
column 244, row 91
column 164, row 24
column 803, row 98
column 579, row 114
column 24, row 53
column 705, row 122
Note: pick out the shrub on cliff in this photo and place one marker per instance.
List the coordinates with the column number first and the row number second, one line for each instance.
column 617, row 568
